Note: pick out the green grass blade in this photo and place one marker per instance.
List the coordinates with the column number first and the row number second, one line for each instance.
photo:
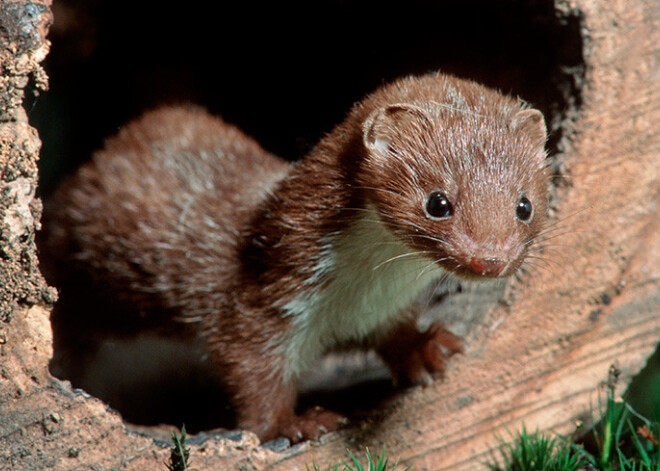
column 356, row 463
column 641, row 450
column 179, row 456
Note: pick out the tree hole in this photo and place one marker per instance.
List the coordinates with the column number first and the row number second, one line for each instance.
column 285, row 75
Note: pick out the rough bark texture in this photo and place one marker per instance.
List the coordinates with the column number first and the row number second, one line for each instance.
column 538, row 355
column 23, row 28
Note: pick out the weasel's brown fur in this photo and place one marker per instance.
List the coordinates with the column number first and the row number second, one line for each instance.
column 277, row 263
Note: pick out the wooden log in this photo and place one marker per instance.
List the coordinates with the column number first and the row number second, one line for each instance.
column 536, row 355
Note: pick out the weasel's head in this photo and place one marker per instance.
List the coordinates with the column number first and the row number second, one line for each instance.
column 464, row 187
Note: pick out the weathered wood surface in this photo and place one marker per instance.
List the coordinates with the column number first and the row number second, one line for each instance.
column 536, row 357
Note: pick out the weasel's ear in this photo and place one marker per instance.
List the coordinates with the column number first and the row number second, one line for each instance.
column 383, row 124
column 531, row 122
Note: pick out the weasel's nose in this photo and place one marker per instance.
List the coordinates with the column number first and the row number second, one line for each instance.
column 488, row 266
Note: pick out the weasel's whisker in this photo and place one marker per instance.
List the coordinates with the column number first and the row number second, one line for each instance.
column 416, row 226
column 558, row 224
column 423, row 271
column 575, row 213
column 544, row 237
column 432, row 238
column 387, row 216
column 400, row 256
column 384, row 190
column 537, row 259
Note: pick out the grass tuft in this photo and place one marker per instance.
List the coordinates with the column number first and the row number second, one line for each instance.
column 620, row 444
column 539, row 453
column 180, row 455
column 377, row 463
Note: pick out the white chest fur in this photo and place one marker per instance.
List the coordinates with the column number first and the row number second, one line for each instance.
column 368, row 278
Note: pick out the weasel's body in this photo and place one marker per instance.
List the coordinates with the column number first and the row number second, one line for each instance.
column 281, row 263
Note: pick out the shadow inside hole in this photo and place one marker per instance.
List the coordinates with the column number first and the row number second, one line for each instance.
column 287, row 79
column 153, row 371
column 152, row 380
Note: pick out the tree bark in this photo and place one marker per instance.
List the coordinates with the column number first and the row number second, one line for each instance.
column 536, row 357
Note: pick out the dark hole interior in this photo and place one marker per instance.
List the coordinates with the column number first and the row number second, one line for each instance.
column 285, row 75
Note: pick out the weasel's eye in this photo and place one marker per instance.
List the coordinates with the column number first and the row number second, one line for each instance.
column 524, row 209
column 438, row 206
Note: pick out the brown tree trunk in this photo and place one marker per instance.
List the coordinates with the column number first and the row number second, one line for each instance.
column 537, row 356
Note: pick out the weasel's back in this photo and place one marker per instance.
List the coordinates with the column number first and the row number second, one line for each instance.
column 170, row 190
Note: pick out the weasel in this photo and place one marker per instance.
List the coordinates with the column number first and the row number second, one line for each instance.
column 276, row 264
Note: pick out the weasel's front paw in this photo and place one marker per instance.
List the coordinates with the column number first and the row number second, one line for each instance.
column 312, row 424
column 415, row 356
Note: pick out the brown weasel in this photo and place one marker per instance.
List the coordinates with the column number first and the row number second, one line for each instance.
column 279, row 263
